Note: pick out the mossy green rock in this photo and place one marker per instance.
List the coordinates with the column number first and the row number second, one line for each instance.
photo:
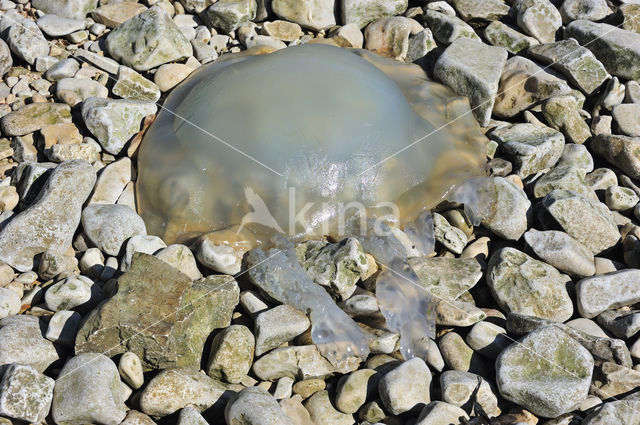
column 159, row 314
column 502, row 35
column 523, row 285
column 231, row 354
column 148, row 40
column 563, row 114
column 34, row 117
column 547, row 372
column 447, row 278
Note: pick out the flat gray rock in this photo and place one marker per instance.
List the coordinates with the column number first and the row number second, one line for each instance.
column 57, row 26
column 621, row 151
column 50, row 222
column 27, row 41
column 562, row 252
column 566, row 178
column 502, row 35
column 242, row 408
column 72, row 9
column 361, row 12
column 109, row 226
column 22, row 341
column 538, row 18
column 25, row 394
column 611, row 290
column 34, row 117
column 447, row 278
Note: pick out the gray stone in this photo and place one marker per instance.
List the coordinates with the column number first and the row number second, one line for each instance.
column 458, row 388
column 63, row 327
column 6, row 61
column 228, row 15
column 354, row 389
column 57, row 26
column 473, row 69
column 627, row 118
column 615, row 412
column 111, row 182
column 563, row 114
column 65, row 68
column 231, row 354
column 313, row 14
column 406, row 387
column 611, row 290
column 130, row 368
column 88, row 390
column 586, row 220
column 621, row 323
column 591, row 10
column 75, row 90
column 507, row 214
column 26, row 40
column 457, row 313
column 389, row 37
column 449, row 236
column 137, row 418
column 10, row 303
column 172, row 331
column 180, row 257
column 190, row 416
column 322, row 412
column 621, row 151
column 25, row 394
column 524, row 285
column 487, row 10
column 562, row 252
column 147, row 244
column 487, row 339
column 441, row 413
column 617, row 49
column 576, row 156
column 524, row 83
column 502, row 35
column 566, row 178
column 255, row 406
column 458, row 355
column 163, row 41
column 108, row 226
column 298, row 362
column 50, row 222
column 102, row 62
column 115, row 122
column 419, row 46
column 21, row 341
column 548, row 372
column 532, row 148
column 361, row 12
column 538, row 18
column 115, row 13
column 619, row 198
column 131, row 85
column 447, row 278
column 34, row 117
column 170, row 75
column 175, row 388
column 446, row 28
column 277, row 326
column 574, row 61
column 72, row 9
column 71, row 292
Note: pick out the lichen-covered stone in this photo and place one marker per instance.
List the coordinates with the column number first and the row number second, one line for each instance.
column 25, row 394
column 255, row 406
column 538, row 18
column 446, row 28
column 547, row 372
column 586, row 220
column 532, row 148
column 361, row 12
column 563, row 114
column 277, row 326
column 73, row 9
column 458, row 388
column 172, row 331
column 313, row 14
column 354, row 389
column 336, row 266
column 50, row 222
column 34, row 117
column 592, row 10
column 483, row 10
column 131, row 85
column 622, row 151
column 27, row 41
column 611, row 290
column 507, row 215
column 562, row 252
column 449, row 236
column 524, row 285
column 115, row 122
column 148, row 40
column 88, row 390
column 389, row 37
column 566, row 178
column 175, row 388
column 231, row 354
column 228, row 15
column 502, row 35
column 447, row 278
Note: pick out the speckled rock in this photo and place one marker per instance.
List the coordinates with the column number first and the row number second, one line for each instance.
column 278, row 325
column 447, row 28
column 148, row 244
column 25, row 394
column 622, row 151
column 113, row 14
column 576, row 156
column 617, row 49
column 565, row 178
column 441, row 413
column 302, row 362
column 361, row 12
column 57, row 26
column 626, row 118
column 313, row 14
column 180, row 257
column 109, row 226
column 115, row 122
column 531, row 147
column 231, row 354
column 534, row 374
column 111, row 182
column 72, row 91
column 21, row 341
column 255, row 406
column 599, row 293
column 27, row 41
column 487, row 339
column 34, row 117
column 524, row 285
column 73, row 9
column 562, row 252
column 50, row 222
column 190, row 416
column 574, row 61
column 133, row 86
column 173, row 332
column 406, row 387
column 162, row 42
column 72, row 292
column 175, row 388
column 389, row 37
column 459, row 387
column 10, row 303
column 502, row 35
column 563, row 114
column 6, row 61
column 228, row 15
column 591, row 10
column 447, row 278
column 586, row 220
column 619, row 198
column 354, row 389
column 538, row 18
column 507, row 215
column 322, row 412
column 472, row 69
column 88, row 390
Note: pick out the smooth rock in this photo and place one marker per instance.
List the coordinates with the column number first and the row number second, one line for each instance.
column 502, row 35
column 626, row 117
column 563, row 114
column 130, row 368
column 354, row 389
column 313, row 14
column 278, row 325
column 406, row 387
column 322, row 411
column 10, row 303
column 72, row 91
column 113, row 14
column 591, row 10
column 441, row 413
column 484, row 10
column 565, row 178
column 508, row 213
column 34, row 117
column 458, row 388
column 255, row 406
column 71, row 292
column 562, row 252
column 131, row 85
column 447, row 278
column 447, row 28
column 170, row 75
column 111, row 182
column 619, row 198
column 228, row 15
column 147, row 244
column 57, row 26
column 538, row 18
column 72, row 9
column 611, row 290
column 389, row 37
column 109, row 226
column 361, row 12
column 231, row 354
column 576, row 156
column 22, row 341
column 487, row 339
column 298, row 362
column 27, row 41
column 180, row 257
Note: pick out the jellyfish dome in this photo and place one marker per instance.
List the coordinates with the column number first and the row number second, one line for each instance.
column 294, row 133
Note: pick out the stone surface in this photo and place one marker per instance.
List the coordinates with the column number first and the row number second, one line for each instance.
column 301, row 362
column 228, row 15
column 626, row 117
column 322, row 412
column 441, row 413
column 27, row 41
column 49, row 223
column 170, row 75
column 617, row 49
column 56, row 26
column 173, row 332
column 534, row 372
column 458, row 388
column 538, row 18
column 562, row 252
column 472, row 69
column 231, row 354
column 21, row 341
column 361, row 12
column 448, row 28
column 508, row 213
column 564, row 178
column 88, row 390
column 25, row 394
column 115, row 122
column 502, row 35
column 175, row 388
column 406, row 387
column 113, row 14
column 563, row 114
column 180, row 257
column 447, row 278
column 389, row 37
column 277, row 326
column 353, row 390
column 485, row 10
column 162, row 41
column 34, row 117
column 131, row 85
column 524, row 285
column 622, row 151
column 255, row 406
column 109, row 226
column 73, row 9
column 586, row 220
column 314, row 14
column 599, row 293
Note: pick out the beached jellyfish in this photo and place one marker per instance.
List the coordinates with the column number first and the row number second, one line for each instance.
column 291, row 141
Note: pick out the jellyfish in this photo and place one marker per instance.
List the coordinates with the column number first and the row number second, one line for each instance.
column 310, row 141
